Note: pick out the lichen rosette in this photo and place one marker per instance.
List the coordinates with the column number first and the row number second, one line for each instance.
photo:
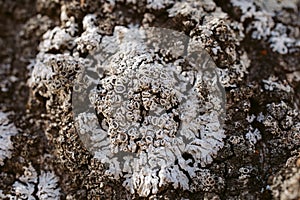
column 154, row 115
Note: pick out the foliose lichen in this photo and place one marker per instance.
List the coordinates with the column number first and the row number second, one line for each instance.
column 260, row 128
column 7, row 130
column 285, row 184
column 215, row 32
column 32, row 185
column 160, row 116
column 265, row 23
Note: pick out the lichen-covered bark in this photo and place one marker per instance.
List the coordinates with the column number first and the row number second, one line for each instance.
column 46, row 44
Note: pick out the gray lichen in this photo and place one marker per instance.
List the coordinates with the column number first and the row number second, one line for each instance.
column 255, row 48
column 282, row 36
column 218, row 35
column 25, row 187
column 7, row 130
column 153, row 113
column 286, row 184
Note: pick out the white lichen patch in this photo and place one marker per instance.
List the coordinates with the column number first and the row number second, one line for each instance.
column 57, row 38
column 273, row 6
column 158, row 112
column 24, row 188
column 60, row 37
column 7, row 130
column 253, row 136
column 90, row 38
column 211, row 23
column 195, row 9
column 250, row 118
column 40, row 71
column 47, row 187
column 51, row 73
column 260, row 118
column 280, row 41
column 272, row 84
column 31, row 185
column 205, row 180
column 264, row 25
column 2, row 195
column 158, row 4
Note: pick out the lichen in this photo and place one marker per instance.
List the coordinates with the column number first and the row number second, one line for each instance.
column 7, row 130
column 159, row 119
column 285, row 184
column 2, row 195
column 47, row 187
column 272, row 84
column 83, row 42
column 60, row 38
column 90, row 38
column 265, row 25
column 214, row 32
column 158, row 4
column 31, row 185
column 253, row 136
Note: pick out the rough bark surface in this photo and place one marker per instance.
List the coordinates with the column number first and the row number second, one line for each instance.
column 254, row 44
